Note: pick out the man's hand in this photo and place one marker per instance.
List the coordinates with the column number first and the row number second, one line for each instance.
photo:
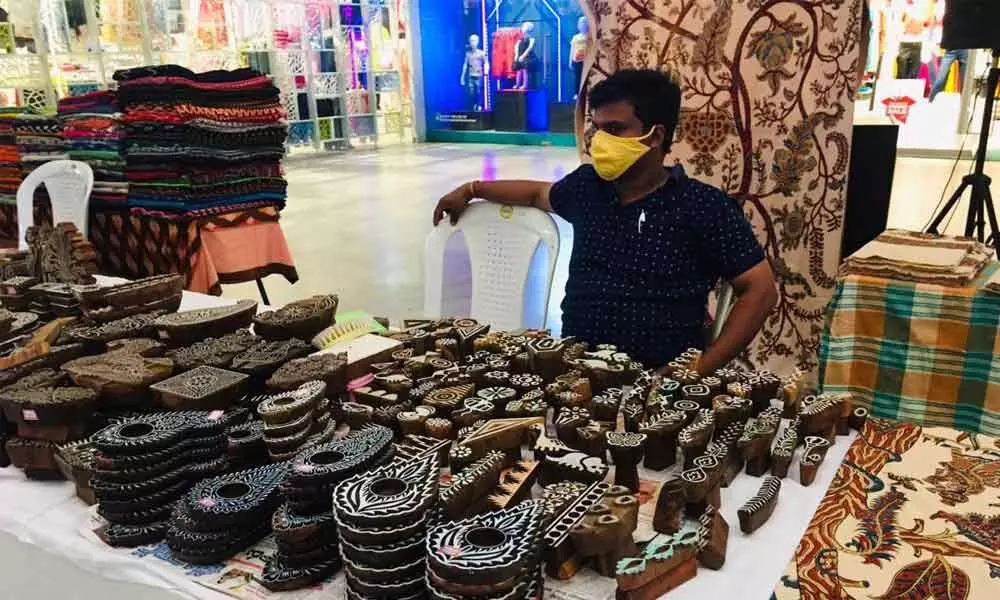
column 453, row 203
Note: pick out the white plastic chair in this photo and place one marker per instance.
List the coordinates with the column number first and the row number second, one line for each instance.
column 501, row 241
column 68, row 183
column 722, row 307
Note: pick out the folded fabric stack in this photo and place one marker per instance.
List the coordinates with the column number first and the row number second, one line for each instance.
column 201, row 144
column 10, row 161
column 920, row 257
column 39, row 140
column 94, row 134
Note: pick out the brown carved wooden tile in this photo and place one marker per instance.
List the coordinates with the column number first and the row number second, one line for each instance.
column 263, row 359
column 329, row 368
column 190, row 326
column 301, row 319
column 134, row 326
column 214, row 352
column 61, row 254
column 117, row 376
column 202, row 388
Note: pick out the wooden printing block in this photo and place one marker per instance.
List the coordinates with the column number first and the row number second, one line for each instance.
column 634, row 413
column 190, row 326
column 500, row 434
column 757, row 510
column 414, row 447
column 725, row 446
column 843, row 423
column 701, row 484
column 604, row 535
column 604, row 407
column 592, row 438
column 755, row 443
column 858, row 417
column 439, row 428
column 689, row 408
column 626, row 450
column 694, row 438
column 467, row 334
column 515, row 485
column 812, row 457
column 357, row 415
column 545, row 357
column 302, row 319
column 713, row 534
column 669, row 506
column 819, row 415
column 330, row 368
column 784, row 449
column 791, row 393
column 122, row 379
column 543, row 446
column 472, row 410
column 661, row 433
column 201, row 388
column 574, row 466
column 728, row 410
column 568, row 419
column 559, row 554
column 664, row 563
column 411, row 422
column 447, row 399
column 468, row 490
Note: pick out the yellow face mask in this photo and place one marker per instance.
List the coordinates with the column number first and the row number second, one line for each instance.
column 614, row 155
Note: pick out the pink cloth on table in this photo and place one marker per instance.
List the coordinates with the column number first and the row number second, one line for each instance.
column 228, row 253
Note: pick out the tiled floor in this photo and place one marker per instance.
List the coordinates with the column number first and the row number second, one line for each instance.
column 356, row 222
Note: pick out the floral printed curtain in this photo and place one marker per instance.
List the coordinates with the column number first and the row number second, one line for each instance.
column 767, row 111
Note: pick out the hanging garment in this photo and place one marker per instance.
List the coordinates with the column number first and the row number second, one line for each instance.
column 504, row 42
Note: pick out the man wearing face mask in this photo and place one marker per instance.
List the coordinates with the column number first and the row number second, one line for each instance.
column 650, row 243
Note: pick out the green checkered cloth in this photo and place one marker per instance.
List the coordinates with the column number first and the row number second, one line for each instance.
column 917, row 352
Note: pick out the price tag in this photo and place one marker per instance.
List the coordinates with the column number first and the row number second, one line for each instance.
column 29, row 414
column 215, row 415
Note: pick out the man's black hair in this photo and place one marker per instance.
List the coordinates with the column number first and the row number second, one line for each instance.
column 653, row 94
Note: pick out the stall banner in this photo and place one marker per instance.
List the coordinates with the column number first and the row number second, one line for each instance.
column 767, row 109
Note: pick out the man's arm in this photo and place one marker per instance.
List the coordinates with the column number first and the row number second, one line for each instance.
column 756, row 298
column 514, row 192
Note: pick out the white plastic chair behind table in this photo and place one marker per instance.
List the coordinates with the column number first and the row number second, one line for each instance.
column 501, row 242
column 68, row 183
column 722, row 306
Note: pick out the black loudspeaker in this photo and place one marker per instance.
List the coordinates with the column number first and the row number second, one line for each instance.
column 971, row 24
column 873, row 163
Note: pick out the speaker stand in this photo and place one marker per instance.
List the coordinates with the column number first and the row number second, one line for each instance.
column 981, row 202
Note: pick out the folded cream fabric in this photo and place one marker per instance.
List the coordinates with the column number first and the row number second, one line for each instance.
column 919, row 257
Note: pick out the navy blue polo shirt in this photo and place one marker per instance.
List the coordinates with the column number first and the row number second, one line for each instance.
column 640, row 275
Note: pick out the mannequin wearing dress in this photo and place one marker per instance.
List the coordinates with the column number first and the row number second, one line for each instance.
column 524, row 56
column 474, row 68
column 578, row 47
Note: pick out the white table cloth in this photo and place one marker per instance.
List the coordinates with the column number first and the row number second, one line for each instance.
column 61, row 564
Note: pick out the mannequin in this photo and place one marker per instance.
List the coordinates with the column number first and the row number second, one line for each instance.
column 578, row 47
column 524, row 56
column 474, row 68
column 911, row 42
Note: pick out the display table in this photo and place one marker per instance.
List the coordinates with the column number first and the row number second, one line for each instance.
column 49, row 518
column 916, row 352
column 231, row 248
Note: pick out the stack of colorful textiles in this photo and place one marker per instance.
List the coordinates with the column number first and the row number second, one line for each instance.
column 10, row 161
column 201, row 144
column 94, row 133
column 920, row 257
column 39, row 140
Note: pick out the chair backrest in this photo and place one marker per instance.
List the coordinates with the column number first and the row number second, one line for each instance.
column 68, row 183
column 501, row 241
column 722, row 306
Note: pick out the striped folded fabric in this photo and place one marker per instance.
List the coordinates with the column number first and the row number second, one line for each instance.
column 920, row 258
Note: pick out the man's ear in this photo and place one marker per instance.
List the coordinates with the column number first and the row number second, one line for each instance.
column 656, row 139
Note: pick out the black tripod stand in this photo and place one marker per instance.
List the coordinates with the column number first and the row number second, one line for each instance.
column 981, row 202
